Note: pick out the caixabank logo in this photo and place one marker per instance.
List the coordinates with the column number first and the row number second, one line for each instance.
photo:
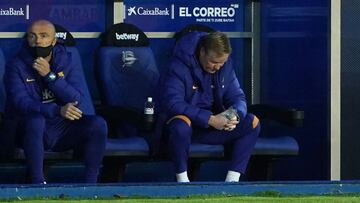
column 10, row 11
column 147, row 11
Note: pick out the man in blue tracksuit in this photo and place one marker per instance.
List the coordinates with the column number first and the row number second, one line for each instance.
column 46, row 96
column 199, row 86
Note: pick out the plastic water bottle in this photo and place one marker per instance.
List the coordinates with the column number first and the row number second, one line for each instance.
column 149, row 114
column 231, row 113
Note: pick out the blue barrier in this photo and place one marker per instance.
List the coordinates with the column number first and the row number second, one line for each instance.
column 179, row 190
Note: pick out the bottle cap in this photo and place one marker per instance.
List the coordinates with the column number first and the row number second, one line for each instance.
column 149, row 99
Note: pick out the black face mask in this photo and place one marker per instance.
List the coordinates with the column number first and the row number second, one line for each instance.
column 42, row 51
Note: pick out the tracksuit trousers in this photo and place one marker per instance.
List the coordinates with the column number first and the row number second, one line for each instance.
column 243, row 139
column 58, row 134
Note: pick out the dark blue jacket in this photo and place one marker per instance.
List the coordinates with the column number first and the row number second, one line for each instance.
column 23, row 85
column 184, row 86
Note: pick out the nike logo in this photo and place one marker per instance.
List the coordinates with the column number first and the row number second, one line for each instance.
column 30, row 80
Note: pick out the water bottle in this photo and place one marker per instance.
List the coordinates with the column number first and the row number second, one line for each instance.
column 231, row 113
column 149, row 114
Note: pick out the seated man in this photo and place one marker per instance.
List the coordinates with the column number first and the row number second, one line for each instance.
column 204, row 103
column 45, row 93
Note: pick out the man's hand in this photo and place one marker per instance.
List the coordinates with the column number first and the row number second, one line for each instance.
column 231, row 125
column 218, row 121
column 70, row 111
column 42, row 66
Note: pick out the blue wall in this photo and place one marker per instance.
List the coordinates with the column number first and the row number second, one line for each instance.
column 294, row 65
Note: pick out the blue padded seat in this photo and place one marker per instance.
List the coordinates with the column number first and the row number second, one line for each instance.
column 128, row 75
column 48, row 155
column 198, row 150
column 276, row 146
column 127, row 146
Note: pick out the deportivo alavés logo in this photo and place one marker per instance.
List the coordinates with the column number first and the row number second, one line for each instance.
column 128, row 58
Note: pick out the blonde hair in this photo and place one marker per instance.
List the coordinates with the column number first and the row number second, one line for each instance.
column 217, row 42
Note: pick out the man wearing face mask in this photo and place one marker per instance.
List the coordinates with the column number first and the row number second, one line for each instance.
column 202, row 102
column 45, row 93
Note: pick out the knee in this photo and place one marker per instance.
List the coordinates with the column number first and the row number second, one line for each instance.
column 179, row 129
column 98, row 126
column 252, row 122
column 33, row 123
